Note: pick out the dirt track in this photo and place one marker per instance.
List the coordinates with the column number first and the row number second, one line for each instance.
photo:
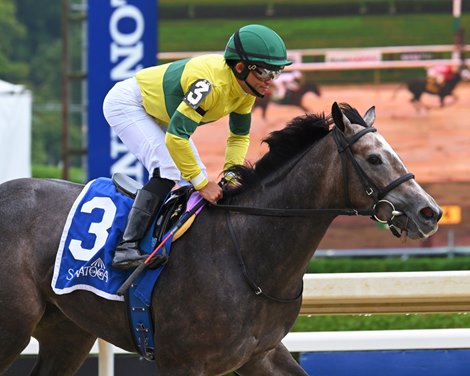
column 434, row 145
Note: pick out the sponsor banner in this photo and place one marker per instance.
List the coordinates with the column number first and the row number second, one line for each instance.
column 413, row 56
column 353, row 56
column 122, row 39
column 451, row 215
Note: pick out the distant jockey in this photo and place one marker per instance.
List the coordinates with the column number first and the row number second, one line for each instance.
column 437, row 76
column 286, row 81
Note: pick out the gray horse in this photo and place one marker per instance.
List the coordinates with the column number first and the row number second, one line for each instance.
column 208, row 320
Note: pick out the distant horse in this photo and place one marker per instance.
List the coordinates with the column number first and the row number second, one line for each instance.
column 292, row 98
column 232, row 287
column 419, row 86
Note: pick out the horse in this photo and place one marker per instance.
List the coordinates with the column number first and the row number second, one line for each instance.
column 232, row 287
column 292, row 98
column 419, row 86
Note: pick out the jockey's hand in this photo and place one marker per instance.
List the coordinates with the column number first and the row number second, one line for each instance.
column 211, row 192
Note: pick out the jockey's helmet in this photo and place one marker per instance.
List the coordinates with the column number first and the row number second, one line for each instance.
column 259, row 45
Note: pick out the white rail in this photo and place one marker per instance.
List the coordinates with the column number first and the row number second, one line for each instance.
column 360, row 58
column 418, row 339
column 403, row 292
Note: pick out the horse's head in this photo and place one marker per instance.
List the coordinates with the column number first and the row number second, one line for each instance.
column 381, row 179
column 464, row 73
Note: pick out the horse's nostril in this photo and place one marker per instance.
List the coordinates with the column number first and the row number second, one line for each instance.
column 428, row 213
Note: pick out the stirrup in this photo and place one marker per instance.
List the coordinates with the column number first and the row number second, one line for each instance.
column 128, row 258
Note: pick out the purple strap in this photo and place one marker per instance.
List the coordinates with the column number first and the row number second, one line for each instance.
column 193, row 200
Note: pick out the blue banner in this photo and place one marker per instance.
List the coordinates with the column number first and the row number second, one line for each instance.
column 122, row 39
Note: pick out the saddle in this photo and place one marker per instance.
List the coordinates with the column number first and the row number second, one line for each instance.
column 168, row 214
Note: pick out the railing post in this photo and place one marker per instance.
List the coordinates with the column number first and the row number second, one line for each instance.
column 105, row 358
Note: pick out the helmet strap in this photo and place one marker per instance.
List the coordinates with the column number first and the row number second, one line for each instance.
column 255, row 92
column 243, row 75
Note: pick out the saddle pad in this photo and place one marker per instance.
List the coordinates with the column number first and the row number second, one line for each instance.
column 91, row 233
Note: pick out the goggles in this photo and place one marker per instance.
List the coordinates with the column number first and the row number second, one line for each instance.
column 264, row 74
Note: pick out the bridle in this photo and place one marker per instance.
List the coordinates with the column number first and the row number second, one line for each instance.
column 344, row 149
column 344, row 146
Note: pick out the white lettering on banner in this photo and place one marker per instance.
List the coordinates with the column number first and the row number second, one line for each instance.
column 354, row 55
column 96, row 270
column 126, row 53
column 127, row 48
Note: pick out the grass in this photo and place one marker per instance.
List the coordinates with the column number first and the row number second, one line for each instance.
column 325, row 32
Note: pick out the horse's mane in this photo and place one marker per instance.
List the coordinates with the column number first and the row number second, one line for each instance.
column 299, row 134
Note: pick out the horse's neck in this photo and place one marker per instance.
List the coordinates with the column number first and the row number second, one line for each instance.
column 287, row 244
column 454, row 81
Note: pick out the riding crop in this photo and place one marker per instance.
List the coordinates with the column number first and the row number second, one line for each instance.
column 184, row 219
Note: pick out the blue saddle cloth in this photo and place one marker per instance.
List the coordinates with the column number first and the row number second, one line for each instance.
column 91, row 233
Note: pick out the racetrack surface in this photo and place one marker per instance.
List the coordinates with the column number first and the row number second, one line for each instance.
column 435, row 146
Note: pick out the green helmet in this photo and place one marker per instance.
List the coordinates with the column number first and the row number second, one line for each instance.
column 259, row 45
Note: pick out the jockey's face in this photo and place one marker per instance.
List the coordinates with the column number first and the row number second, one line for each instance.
column 254, row 79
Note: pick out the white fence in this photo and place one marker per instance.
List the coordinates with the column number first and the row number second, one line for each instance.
column 354, row 58
column 364, row 293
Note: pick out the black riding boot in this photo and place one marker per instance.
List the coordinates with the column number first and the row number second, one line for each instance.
column 144, row 208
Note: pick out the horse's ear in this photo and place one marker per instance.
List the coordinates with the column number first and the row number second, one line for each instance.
column 369, row 116
column 341, row 121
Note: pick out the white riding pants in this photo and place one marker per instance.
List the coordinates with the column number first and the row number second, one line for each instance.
column 142, row 134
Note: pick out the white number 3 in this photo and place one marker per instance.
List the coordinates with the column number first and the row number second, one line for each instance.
column 197, row 92
column 99, row 229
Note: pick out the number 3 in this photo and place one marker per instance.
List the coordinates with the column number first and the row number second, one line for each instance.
column 198, row 91
column 99, row 229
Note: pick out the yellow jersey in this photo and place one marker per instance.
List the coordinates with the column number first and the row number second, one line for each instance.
column 188, row 93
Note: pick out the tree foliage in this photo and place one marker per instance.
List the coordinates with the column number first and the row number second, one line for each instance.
column 13, row 33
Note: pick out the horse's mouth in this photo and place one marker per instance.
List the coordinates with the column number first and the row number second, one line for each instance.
column 415, row 227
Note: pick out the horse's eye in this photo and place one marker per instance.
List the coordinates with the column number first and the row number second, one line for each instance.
column 374, row 159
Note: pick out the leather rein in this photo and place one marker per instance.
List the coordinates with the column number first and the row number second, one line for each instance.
column 377, row 194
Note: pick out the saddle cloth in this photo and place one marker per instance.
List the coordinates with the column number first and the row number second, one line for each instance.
column 92, row 231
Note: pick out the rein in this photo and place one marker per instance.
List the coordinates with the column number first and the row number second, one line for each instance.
column 344, row 149
column 250, row 281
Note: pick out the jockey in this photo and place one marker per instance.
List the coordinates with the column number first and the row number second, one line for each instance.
column 286, row 81
column 438, row 75
column 155, row 113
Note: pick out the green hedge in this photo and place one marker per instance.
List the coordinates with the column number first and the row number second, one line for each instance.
column 356, row 265
column 76, row 174
column 356, row 31
column 381, row 322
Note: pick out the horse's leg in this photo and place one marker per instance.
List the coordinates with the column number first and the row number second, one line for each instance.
column 278, row 361
column 264, row 108
column 12, row 342
column 20, row 311
column 63, row 346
